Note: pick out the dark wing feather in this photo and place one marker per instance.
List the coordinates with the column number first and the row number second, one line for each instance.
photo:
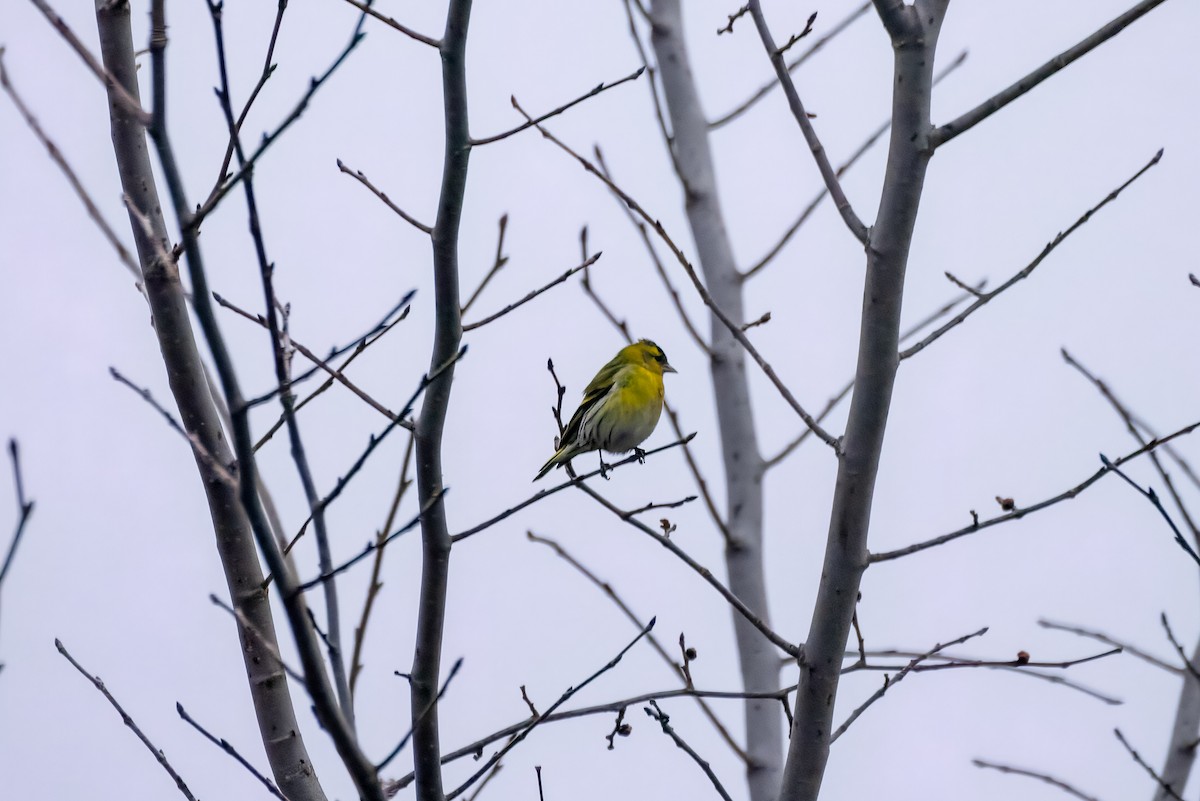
column 592, row 394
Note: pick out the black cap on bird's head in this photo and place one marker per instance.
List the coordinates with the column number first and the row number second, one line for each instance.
column 653, row 353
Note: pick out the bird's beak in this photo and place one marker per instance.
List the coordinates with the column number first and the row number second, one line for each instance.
column 668, row 368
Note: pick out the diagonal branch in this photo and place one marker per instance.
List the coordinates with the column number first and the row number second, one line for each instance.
column 828, row 174
column 986, row 297
column 128, row 721
column 1017, row 514
column 361, row 177
column 562, row 699
column 512, row 306
column 601, row 87
column 987, row 108
column 1033, row 774
column 792, row 66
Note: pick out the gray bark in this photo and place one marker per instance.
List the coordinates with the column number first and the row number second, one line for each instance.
column 435, row 536
column 284, row 746
column 1181, row 752
column 758, row 659
column 914, row 31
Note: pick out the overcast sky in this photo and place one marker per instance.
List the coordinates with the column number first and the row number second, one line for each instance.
column 119, row 558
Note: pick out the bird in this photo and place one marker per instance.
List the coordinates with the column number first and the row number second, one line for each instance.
column 620, row 406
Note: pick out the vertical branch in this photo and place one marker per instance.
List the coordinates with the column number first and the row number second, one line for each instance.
column 287, row 397
column 914, row 34
column 269, row 692
column 727, row 364
column 307, row 645
column 435, row 536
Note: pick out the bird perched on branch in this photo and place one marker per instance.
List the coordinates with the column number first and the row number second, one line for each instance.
column 620, row 407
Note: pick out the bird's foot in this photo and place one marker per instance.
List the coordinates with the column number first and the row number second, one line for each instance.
column 604, row 468
column 640, row 454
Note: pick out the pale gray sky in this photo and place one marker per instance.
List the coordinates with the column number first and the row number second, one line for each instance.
column 119, row 559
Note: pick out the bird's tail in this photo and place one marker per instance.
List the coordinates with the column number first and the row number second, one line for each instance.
column 561, row 456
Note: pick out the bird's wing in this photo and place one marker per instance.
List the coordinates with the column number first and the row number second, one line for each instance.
column 592, row 394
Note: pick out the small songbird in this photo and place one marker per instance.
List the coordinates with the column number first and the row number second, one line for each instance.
column 620, row 407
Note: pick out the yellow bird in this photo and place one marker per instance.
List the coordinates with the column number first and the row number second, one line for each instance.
column 620, row 407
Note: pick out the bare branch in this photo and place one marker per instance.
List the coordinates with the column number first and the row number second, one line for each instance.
column 672, row 293
column 704, row 572
column 986, row 297
column 856, row 226
column 987, row 108
column 601, row 87
column 117, row 91
column 497, row 264
column 1152, row 497
column 224, row 745
column 1099, row 636
column 766, row 88
column 58, row 158
column 1045, row 777
column 608, row 590
column 361, row 177
column 1131, row 425
column 424, row 712
column 576, row 481
column 391, row 23
column 888, row 683
column 1187, row 663
column 562, row 699
column 375, row 585
column 128, row 721
column 1168, row 789
column 510, row 307
column 1017, row 514
column 665, row 722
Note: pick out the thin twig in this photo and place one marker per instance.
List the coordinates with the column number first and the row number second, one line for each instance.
column 391, row 23
column 665, row 722
column 361, row 177
column 672, row 293
column 1131, row 425
column 530, row 296
column 497, row 264
column 475, row 748
column 1168, row 789
column 601, row 87
column 132, row 106
column 915, row 329
column 25, row 506
column 1099, row 636
column 1033, row 774
column 375, row 585
column 58, row 158
column 1187, row 663
column 965, row 122
column 496, row 757
column 828, row 174
column 333, row 372
column 986, row 297
column 1152, row 496
column 128, row 721
column 224, row 745
column 202, row 454
column 766, row 88
column 417, row 718
column 1017, row 514
column 904, row 671
column 577, row 481
column 665, row 541
column 608, row 590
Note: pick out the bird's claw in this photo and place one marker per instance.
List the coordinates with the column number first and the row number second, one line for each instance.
column 604, row 469
column 640, row 454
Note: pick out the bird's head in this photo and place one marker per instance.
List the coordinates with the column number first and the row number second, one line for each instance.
column 647, row 354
